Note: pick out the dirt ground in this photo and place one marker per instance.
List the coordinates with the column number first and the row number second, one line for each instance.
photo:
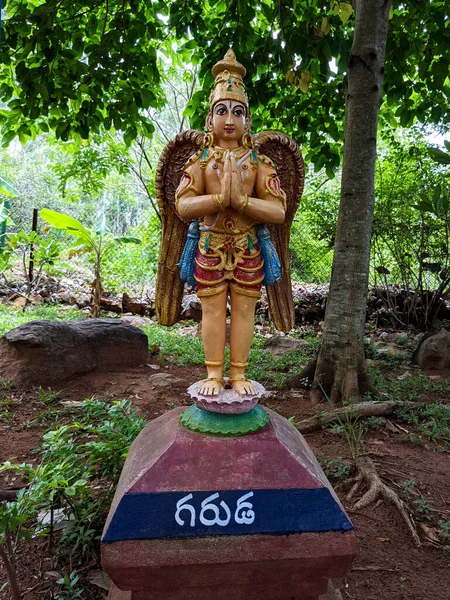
column 388, row 567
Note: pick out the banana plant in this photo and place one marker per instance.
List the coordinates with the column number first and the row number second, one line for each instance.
column 7, row 190
column 97, row 243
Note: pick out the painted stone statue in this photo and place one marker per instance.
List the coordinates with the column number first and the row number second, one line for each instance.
column 239, row 193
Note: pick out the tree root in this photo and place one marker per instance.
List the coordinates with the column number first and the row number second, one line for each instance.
column 367, row 474
column 352, row 413
column 305, row 376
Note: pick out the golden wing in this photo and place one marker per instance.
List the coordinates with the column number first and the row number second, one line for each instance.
column 286, row 154
column 169, row 287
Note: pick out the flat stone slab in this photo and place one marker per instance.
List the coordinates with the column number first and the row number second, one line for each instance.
column 197, row 517
column 227, row 401
column 46, row 352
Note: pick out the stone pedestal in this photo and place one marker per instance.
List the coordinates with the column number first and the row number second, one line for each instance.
column 203, row 517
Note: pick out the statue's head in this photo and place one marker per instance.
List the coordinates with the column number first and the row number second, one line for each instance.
column 229, row 116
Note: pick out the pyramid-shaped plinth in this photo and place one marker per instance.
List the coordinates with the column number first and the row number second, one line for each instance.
column 199, row 517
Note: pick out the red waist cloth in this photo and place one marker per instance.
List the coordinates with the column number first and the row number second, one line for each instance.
column 247, row 275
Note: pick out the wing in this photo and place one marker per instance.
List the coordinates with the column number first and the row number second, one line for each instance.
column 286, row 154
column 169, row 287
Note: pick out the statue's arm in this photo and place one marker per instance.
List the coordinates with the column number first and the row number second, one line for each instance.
column 269, row 205
column 191, row 201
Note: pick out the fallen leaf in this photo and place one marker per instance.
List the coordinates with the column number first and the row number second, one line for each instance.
column 54, row 574
column 429, row 533
column 391, row 427
column 405, row 375
column 100, row 579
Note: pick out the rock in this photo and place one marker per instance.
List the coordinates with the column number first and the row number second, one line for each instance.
column 191, row 308
column 137, row 321
column 434, row 351
column 388, row 349
column 160, row 380
column 278, row 345
column 111, row 305
column 133, row 306
column 45, row 352
column 61, row 518
column 20, row 301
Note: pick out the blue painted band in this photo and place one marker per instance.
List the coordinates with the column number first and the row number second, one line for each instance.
column 143, row 516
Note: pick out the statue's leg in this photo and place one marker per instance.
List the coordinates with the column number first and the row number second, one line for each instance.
column 214, row 315
column 242, row 326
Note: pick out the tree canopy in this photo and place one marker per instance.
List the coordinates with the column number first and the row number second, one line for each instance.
column 78, row 67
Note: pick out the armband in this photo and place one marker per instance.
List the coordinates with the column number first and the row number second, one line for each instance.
column 272, row 186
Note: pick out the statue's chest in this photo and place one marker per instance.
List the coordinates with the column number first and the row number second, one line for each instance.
column 214, row 174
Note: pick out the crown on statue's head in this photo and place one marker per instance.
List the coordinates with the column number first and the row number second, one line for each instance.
column 229, row 85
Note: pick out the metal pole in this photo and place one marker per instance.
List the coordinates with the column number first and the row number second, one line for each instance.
column 31, row 263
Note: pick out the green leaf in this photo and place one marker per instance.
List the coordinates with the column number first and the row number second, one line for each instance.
column 439, row 156
column 346, row 11
column 424, row 205
column 80, row 482
column 62, row 221
column 128, row 240
column 7, row 189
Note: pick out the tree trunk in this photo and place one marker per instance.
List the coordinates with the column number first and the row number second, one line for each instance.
column 340, row 370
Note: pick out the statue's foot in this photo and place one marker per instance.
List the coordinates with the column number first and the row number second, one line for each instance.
column 243, row 386
column 211, row 386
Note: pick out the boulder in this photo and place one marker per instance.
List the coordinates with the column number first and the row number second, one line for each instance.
column 162, row 380
column 433, row 351
column 46, row 352
column 278, row 345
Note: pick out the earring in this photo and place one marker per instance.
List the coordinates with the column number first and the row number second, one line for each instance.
column 247, row 140
column 208, row 139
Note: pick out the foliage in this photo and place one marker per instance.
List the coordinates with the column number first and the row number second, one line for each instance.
column 12, row 316
column 130, row 267
column 97, row 243
column 80, row 465
column 411, row 230
column 411, row 388
column 22, row 248
column 6, row 189
column 310, row 254
column 102, row 77
column 79, row 66
column 445, row 533
column 430, row 420
column 352, row 430
column 336, row 469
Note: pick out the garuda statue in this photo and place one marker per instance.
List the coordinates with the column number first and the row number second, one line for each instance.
column 227, row 200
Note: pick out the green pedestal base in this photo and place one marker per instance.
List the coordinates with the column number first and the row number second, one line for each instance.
column 202, row 421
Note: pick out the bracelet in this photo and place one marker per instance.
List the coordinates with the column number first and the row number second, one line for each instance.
column 243, row 204
column 218, row 201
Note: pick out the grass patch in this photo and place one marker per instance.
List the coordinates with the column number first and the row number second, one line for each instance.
column 408, row 389
column 430, row 420
column 176, row 346
column 13, row 316
column 181, row 348
column 274, row 370
column 336, row 469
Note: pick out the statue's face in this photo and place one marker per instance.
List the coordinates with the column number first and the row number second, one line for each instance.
column 229, row 121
